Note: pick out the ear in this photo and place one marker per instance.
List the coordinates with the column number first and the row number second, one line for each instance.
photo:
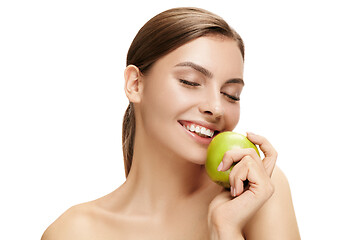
column 133, row 83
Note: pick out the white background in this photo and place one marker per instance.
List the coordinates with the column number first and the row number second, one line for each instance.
column 62, row 102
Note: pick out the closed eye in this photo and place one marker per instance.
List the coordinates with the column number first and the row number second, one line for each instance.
column 236, row 99
column 193, row 84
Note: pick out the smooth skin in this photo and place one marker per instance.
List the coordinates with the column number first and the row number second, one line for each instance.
column 167, row 194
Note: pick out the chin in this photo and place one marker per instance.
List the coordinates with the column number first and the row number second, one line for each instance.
column 195, row 156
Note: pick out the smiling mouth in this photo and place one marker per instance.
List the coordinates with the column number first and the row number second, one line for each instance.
column 201, row 131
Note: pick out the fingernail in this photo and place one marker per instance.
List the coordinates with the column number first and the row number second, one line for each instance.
column 232, row 191
column 250, row 133
column 219, row 168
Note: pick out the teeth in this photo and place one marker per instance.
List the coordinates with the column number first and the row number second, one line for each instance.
column 201, row 131
column 197, row 129
column 207, row 132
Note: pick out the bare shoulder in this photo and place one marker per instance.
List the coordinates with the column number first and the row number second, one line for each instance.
column 74, row 223
column 276, row 219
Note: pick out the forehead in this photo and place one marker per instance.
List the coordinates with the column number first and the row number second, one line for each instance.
column 220, row 55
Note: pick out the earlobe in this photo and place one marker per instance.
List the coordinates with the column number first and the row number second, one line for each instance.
column 133, row 83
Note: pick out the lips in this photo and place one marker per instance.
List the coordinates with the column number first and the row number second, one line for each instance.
column 202, row 130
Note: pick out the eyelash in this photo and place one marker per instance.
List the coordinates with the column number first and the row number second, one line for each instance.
column 194, row 84
column 236, row 99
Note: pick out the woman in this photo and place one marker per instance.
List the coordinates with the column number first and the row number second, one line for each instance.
column 184, row 68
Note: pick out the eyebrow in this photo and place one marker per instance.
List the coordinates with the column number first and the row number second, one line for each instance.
column 206, row 72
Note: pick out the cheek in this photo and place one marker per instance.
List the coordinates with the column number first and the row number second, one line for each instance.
column 161, row 101
column 232, row 116
column 173, row 99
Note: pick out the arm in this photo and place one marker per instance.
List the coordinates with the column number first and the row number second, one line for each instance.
column 276, row 218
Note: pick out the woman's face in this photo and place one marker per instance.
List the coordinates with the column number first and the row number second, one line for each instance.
column 193, row 88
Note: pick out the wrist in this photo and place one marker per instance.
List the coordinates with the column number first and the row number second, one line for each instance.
column 226, row 236
column 220, row 233
column 230, row 236
column 223, row 228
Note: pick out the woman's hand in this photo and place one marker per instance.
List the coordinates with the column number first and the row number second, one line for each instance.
column 229, row 213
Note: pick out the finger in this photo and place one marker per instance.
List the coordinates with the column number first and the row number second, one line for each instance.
column 239, row 180
column 247, row 201
column 246, row 171
column 268, row 150
column 235, row 155
column 237, row 176
column 263, row 143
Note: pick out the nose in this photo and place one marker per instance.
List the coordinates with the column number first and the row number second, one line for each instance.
column 212, row 106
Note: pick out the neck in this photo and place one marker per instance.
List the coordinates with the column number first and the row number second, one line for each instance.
column 158, row 180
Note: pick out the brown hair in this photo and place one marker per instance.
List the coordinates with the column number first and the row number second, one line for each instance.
column 160, row 35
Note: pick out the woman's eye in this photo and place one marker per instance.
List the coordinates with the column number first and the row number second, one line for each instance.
column 233, row 98
column 193, row 84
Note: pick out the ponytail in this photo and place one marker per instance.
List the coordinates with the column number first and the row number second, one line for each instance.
column 128, row 135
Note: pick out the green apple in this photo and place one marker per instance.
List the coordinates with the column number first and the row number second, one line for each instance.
column 222, row 143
